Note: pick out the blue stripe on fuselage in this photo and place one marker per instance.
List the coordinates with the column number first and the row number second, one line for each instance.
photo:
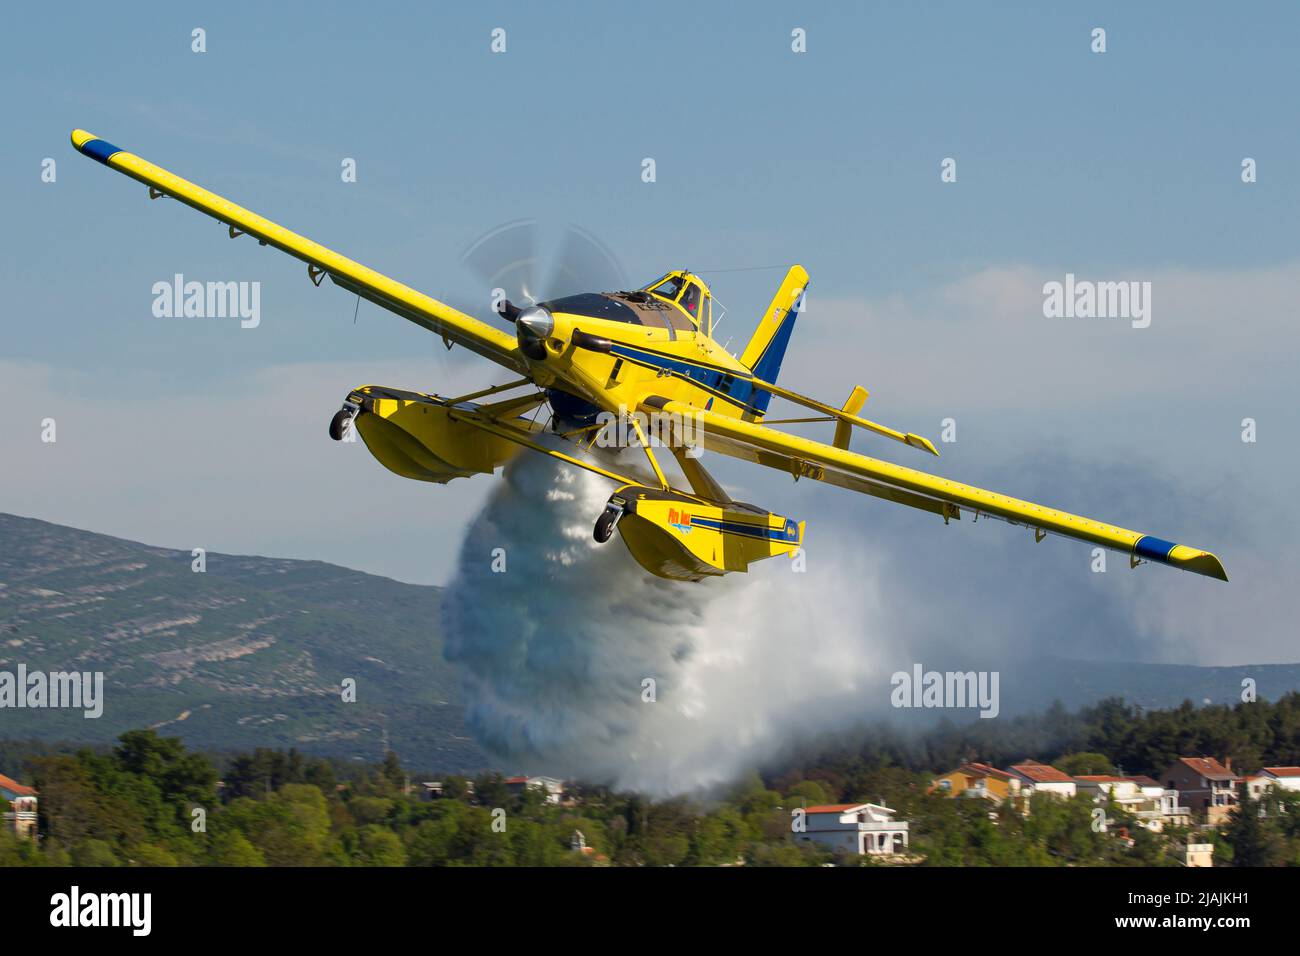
column 740, row 387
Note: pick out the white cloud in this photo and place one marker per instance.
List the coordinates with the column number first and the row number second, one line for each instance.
column 981, row 342
column 248, row 469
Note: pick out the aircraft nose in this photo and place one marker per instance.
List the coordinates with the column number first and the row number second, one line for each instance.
column 533, row 326
column 539, row 323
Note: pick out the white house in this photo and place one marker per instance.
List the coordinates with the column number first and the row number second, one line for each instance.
column 1038, row 777
column 1257, row 784
column 856, row 828
column 1155, row 807
column 1284, row 778
column 1123, row 790
column 1162, row 808
column 550, row 786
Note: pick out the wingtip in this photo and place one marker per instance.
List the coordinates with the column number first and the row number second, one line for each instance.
column 1198, row 561
column 97, row 148
column 1180, row 556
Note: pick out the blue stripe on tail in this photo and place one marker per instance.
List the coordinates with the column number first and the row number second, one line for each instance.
column 768, row 366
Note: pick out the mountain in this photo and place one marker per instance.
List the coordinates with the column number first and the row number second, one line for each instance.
column 1034, row 686
column 253, row 651
column 250, row 652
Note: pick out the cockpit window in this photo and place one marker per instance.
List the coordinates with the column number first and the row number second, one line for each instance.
column 691, row 301
column 668, row 288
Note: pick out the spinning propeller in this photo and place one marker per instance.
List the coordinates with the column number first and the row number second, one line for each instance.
column 507, row 261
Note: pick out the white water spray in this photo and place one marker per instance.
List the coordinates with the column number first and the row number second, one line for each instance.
column 555, row 651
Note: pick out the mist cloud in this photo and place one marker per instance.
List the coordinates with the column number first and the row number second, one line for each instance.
column 554, row 650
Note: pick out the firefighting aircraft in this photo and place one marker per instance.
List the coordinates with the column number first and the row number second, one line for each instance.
column 641, row 356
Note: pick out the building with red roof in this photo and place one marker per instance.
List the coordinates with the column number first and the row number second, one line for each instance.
column 1284, row 778
column 1208, row 787
column 1036, row 777
column 978, row 780
column 21, row 815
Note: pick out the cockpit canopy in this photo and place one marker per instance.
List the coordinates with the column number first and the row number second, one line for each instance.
column 678, row 301
column 688, row 293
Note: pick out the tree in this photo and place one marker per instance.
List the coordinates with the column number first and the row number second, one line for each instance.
column 1084, row 763
column 182, row 778
column 72, row 807
column 151, row 854
column 716, row 838
column 92, row 852
column 490, row 790
column 810, row 790
column 290, row 828
column 455, row 787
column 368, row 810
column 380, row 846
column 1253, row 843
column 15, row 851
column 432, row 842
column 231, row 848
column 392, row 772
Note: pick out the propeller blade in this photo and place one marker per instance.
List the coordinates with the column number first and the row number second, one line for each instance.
column 505, row 259
column 585, row 264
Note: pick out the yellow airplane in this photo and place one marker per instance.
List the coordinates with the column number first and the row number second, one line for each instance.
column 644, row 364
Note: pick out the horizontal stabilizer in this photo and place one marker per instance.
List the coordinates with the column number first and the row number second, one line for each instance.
column 844, row 416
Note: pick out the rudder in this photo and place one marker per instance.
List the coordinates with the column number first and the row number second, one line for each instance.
column 766, row 349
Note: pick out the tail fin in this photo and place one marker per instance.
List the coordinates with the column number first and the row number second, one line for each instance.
column 766, row 349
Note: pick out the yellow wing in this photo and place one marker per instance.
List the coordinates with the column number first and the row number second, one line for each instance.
column 805, row 458
column 452, row 324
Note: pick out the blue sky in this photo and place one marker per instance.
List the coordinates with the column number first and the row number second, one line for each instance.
column 1122, row 165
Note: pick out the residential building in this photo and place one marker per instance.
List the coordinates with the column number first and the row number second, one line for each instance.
column 1284, row 778
column 1198, row 854
column 552, row 788
column 437, row 789
column 1205, row 785
column 1165, row 810
column 856, row 828
column 1125, row 792
column 22, row 813
column 1257, row 785
column 978, row 780
column 1038, row 778
column 1154, row 806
